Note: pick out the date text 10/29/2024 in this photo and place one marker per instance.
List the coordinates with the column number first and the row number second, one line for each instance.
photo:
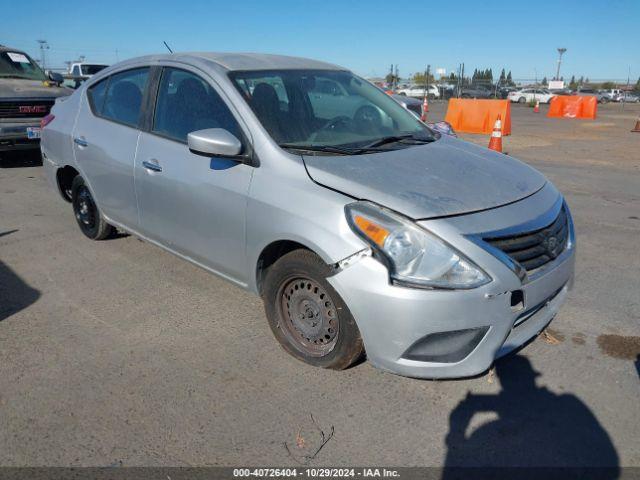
column 315, row 472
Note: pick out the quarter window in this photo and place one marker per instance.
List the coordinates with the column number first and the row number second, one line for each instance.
column 124, row 96
column 187, row 103
column 96, row 94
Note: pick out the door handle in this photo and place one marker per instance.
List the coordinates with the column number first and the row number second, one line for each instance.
column 80, row 141
column 152, row 165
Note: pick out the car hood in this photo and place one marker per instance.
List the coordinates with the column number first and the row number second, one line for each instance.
column 446, row 177
column 11, row 88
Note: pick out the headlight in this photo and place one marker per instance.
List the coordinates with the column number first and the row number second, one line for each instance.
column 413, row 255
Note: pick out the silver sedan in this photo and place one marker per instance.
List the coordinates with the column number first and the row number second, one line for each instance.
column 360, row 227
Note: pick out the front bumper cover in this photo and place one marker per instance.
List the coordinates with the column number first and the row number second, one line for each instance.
column 393, row 320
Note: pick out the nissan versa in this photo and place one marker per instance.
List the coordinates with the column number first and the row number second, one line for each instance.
column 360, row 228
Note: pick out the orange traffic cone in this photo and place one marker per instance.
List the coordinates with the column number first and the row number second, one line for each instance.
column 495, row 143
column 637, row 127
column 425, row 109
column 536, row 109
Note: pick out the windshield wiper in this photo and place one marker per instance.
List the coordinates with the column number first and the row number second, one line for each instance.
column 326, row 149
column 398, row 138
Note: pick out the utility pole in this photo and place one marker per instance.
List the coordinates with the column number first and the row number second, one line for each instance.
column 395, row 79
column 43, row 46
column 560, row 51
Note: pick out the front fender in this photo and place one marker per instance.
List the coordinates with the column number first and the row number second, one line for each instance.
column 294, row 208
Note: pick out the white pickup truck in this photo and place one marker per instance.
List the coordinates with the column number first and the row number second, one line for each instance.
column 81, row 71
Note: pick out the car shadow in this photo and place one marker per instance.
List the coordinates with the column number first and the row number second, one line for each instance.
column 524, row 425
column 15, row 293
column 21, row 158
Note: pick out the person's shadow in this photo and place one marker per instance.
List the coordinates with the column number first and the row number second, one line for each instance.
column 15, row 294
column 534, row 428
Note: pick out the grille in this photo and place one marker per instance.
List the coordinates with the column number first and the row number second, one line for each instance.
column 25, row 108
column 535, row 249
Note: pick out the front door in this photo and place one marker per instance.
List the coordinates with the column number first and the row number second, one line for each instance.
column 190, row 203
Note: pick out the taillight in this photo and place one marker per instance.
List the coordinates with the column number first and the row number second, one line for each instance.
column 46, row 120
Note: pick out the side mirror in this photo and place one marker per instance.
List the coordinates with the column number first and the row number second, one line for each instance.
column 56, row 78
column 214, row 142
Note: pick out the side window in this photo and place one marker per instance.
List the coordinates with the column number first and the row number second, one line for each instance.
column 187, row 103
column 124, row 96
column 96, row 94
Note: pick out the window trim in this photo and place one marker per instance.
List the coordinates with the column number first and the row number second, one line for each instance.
column 108, row 78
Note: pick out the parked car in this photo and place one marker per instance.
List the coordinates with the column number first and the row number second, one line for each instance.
column 476, row 92
column 417, row 91
column 531, row 95
column 627, row 97
column 26, row 95
column 412, row 104
column 612, row 93
column 360, row 230
column 591, row 92
column 503, row 92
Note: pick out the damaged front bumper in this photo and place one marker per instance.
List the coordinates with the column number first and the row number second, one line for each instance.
column 455, row 333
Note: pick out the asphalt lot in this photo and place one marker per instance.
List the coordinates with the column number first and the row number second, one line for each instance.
column 117, row 353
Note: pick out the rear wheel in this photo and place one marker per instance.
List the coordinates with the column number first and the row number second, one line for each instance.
column 306, row 315
column 89, row 218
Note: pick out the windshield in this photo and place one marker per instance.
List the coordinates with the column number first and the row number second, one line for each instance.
column 18, row 65
column 88, row 69
column 328, row 110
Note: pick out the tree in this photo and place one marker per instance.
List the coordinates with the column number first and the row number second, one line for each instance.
column 418, row 79
column 638, row 85
column 573, row 85
column 544, row 82
column 510, row 81
column 503, row 77
column 608, row 85
column 391, row 78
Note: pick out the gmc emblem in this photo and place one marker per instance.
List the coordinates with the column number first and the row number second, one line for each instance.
column 32, row 109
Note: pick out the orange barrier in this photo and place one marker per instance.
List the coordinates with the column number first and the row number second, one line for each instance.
column 573, row 106
column 478, row 116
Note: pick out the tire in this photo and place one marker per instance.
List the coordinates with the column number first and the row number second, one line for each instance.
column 522, row 100
column 89, row 218
column 306, row 315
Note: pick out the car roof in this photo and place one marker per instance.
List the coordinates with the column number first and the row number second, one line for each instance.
column 244, row 61
column 4, row 48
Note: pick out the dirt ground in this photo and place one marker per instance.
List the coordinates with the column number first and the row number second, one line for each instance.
column 117, row 353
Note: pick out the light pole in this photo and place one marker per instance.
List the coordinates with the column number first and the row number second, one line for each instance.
column 560, row 51
column 43, row 46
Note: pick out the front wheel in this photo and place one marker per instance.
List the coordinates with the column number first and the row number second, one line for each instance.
column 522, row 100
column 89, row 219
column 306, row 315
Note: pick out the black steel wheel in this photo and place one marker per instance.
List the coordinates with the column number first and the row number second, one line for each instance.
column 306, row 315
column 89, row 219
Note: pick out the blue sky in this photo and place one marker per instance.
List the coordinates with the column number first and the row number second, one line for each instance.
column 365, row 36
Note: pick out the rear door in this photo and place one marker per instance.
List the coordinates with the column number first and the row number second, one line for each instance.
column 105, row 139
column 192, row 204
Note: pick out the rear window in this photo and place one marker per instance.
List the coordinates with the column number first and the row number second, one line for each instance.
column 92, row 69
column 124, row 96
